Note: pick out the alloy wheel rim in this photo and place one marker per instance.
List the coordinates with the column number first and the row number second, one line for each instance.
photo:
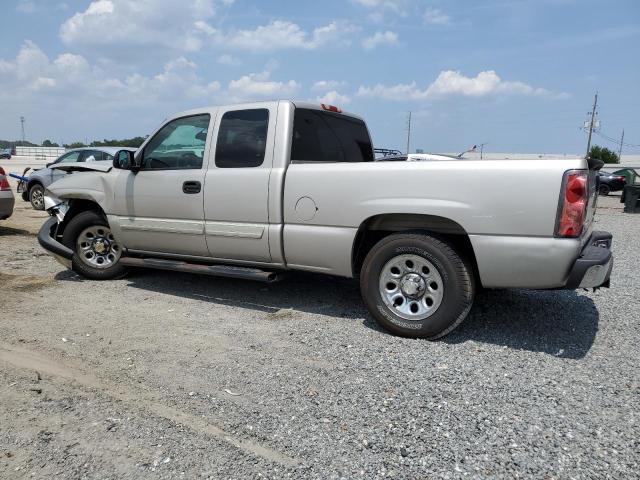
column 411, row 287
column 37, row 197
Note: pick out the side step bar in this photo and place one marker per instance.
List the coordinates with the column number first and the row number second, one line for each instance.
column 214, row 270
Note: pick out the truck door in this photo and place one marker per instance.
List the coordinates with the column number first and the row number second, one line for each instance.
column 160, row 207
column 237, row 193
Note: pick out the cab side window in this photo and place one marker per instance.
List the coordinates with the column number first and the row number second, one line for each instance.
column 242, row 138
column 179, row 145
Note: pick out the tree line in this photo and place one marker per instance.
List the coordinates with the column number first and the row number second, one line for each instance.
column 134, row 142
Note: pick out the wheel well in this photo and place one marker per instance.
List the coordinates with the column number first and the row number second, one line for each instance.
column 77, row 206
column 32, row 183
column 376, row 228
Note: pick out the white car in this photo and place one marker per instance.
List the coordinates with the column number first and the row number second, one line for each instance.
column 42, row 178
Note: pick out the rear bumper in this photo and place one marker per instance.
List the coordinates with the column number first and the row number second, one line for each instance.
column 592, row 269
column 6, row 206
column 47, row 240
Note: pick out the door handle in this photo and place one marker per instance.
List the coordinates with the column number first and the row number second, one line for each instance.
column 191, row 187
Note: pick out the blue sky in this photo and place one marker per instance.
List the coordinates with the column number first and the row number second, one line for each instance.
column 519, row 75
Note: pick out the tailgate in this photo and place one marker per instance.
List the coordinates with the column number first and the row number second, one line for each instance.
column 594, row 167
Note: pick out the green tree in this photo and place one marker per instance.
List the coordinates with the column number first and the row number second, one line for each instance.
column 604, row 154
column 134, row 142
column 49, row 143
column 75, row 145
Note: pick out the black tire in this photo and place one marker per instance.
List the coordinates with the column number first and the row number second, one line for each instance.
column 36, row 196
column 25, row 196
column 604, row 190
column 456, row 275
column 75, row 227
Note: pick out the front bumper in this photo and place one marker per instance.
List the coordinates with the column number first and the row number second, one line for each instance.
column 592, row 269
column 47, row 239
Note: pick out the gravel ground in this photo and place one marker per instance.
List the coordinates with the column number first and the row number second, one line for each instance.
column 167, row 375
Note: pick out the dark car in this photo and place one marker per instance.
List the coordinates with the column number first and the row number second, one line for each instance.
column 608, row 183
column 6, row 153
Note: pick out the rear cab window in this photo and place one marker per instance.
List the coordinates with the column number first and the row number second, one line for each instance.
column 328, row 137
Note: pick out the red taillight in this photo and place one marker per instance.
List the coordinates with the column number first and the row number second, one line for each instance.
column 330, row 108
column 574, row 198
column 624, row 179
column 4, row 183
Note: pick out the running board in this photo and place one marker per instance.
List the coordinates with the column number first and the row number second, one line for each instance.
column 214, row 270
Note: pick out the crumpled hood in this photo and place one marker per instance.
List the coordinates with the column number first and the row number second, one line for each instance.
column 84, row 167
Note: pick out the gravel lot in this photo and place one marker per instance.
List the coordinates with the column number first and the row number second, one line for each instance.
column 167, row 375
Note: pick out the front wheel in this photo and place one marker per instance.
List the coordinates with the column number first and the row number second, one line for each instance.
column 36, row 196
column 96, row 251
column 417, row 285
column 604, row 190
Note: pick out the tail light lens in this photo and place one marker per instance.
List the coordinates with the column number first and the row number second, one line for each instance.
column 624, row 179
column 573, row 204
column 4, row 183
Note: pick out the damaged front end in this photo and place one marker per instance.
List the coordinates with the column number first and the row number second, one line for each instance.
column 50, row 235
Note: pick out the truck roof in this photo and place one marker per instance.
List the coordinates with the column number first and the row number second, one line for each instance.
column 242, row 105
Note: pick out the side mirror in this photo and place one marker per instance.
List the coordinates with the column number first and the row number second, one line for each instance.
column 49, row 164
column 124, row 160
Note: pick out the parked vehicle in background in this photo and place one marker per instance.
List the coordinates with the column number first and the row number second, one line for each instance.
column 7, row 201
column 6, row 153
column 608, row 183
column 251, row 190
column 42, row 178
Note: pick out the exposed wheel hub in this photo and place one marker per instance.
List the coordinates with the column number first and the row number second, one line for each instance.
column 101, row 245
column 413, row 285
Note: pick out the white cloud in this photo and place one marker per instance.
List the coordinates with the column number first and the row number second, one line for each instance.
column 26, row 6
column 126, row 29
column 259, row 86
column 226, row 59
column 435, row 16
column 453, row 83
column 277, row 35
column 394, row 5
column 71, row 79
column 325, row 85
column 380, row 38
column 333, row 98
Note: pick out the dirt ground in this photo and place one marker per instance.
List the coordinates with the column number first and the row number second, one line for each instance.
column 167, row 375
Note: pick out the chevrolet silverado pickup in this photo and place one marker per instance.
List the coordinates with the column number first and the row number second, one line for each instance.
column 254, row 190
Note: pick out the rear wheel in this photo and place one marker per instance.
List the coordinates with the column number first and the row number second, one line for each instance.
column 604, row 189
column 417, row 285
column 96, row 251
column 36, row 196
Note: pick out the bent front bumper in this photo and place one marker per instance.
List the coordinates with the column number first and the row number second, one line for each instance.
column 47, row 239
column 592, row 269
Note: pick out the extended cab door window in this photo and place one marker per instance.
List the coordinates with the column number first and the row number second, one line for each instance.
column 179, row 145
column 320, row 136
column 242, row 138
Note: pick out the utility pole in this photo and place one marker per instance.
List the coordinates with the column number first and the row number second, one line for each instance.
column 24, row 138
column 592, row 123
column 408, row 131
column 620, row 149
column 482, row 148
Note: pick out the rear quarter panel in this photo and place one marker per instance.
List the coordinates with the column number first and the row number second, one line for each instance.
column 497, row 198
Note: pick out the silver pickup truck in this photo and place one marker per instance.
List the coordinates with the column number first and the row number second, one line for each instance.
column 254, row 190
